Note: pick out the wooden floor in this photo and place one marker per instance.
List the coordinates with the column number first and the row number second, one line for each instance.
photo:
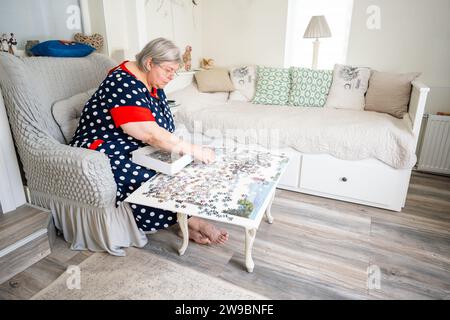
column 317, row 249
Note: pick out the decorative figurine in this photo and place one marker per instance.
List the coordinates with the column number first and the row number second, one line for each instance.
column 187, row 59
column 12, row 43
column 207, row 63
column 4, row 44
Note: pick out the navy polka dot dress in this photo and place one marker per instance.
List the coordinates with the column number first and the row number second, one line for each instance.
column 120, row 99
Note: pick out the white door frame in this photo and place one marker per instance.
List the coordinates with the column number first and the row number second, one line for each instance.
column 85, row 17
column 12, row 193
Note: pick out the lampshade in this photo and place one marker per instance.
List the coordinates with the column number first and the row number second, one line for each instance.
column 318, row 28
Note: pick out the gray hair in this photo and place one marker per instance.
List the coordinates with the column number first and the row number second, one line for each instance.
column 159, row 50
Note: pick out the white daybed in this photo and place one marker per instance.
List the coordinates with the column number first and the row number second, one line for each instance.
column 356, row 156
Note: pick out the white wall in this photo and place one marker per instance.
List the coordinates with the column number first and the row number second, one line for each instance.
column 245, row 31
column 128, row 25
column 116, row 28
column 414, row 36
column 178, row 20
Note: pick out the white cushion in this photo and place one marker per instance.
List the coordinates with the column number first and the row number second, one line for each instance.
column 348, row 88
column 67, row 112
column 244, row 81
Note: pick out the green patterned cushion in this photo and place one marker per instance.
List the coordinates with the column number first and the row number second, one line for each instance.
column 272, row 86
column 309, row 87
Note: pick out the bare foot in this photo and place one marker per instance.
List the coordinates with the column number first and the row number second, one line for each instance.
column 196, row 236
column 208, row 230
column 214, row 234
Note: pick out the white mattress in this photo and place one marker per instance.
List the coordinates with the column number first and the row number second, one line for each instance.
column 344, row 134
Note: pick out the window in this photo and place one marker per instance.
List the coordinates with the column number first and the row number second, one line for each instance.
column 40, row 20
column 299, row 51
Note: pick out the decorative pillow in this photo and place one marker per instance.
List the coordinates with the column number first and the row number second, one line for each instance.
column 57, row 48
column 389, row 93
column 272, row 86
column 244, row 81
column 95, row 40
column 309, row 88
column 214, row 80
column 67, row 113
column 348, row 88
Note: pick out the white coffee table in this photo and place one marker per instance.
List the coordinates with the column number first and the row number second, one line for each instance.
column 237, row 189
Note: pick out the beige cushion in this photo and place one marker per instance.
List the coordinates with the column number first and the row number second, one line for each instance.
column 67, row 112
column 214, row 80
column 389, row 93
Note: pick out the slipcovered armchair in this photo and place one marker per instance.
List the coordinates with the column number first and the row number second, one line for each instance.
column 76, row 184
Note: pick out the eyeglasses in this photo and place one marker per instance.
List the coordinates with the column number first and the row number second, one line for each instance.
column 167, row 72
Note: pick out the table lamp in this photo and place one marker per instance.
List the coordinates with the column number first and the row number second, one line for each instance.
column 317, row 28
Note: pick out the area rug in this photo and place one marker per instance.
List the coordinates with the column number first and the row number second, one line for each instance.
column 140, row 275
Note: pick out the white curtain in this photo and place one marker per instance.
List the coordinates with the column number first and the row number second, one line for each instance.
column 299, row 51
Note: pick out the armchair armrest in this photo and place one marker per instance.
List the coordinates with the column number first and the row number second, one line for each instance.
column 76, row 174
column 417, row 104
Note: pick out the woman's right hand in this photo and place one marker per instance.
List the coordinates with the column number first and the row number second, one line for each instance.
column 152, row 134
column 203, row 154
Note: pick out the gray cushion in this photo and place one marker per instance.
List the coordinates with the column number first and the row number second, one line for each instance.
column 67, row 112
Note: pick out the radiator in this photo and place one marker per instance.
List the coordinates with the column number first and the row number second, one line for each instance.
column 435, row 151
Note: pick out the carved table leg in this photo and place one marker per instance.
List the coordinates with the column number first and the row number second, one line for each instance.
column 250, row 235
column 183, row 222
column 268, row 210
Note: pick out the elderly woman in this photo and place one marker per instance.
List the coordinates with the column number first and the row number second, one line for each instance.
column 130, row 110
